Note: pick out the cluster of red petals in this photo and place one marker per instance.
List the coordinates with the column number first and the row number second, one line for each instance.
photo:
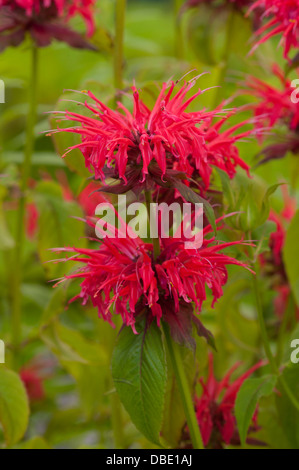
column 45, row 20
column 64, row 8
column 274, row 104
column 33, row 383
column 215, row 415
column 167, row 135
column 283, row 18
column 123, row 273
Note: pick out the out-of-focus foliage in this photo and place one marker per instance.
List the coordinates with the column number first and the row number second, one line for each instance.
column 64, row 345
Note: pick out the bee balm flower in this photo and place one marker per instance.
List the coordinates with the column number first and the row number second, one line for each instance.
column 124, row 273
column 45, row 20
column 215, row 415
column 143, row 146
column 283, row 18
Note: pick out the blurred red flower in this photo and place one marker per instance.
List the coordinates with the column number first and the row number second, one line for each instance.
column 283, row 18
column 45, row 20
column 215, row 415
column 90, row 197
column 143, row 146
column 30, row 375
column 32, row 217
column 275, row 106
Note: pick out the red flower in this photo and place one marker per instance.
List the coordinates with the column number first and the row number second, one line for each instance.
column 215, row 415
column 274, row 104
column 45, row 20
column 32, row 217
column 283, row 19
column 145, row 145
column 33, row 383
column 124, row 273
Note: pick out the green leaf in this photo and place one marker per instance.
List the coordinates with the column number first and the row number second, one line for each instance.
column 56, row 304
column 71, row 346
column 14, row 406
column 139, row 373
column 247, row 399
column 266, row 202
column 174, row 415
column 64, row 140
column 35, row 443
column 57, row 226
column 288, row 415
column 291, row 255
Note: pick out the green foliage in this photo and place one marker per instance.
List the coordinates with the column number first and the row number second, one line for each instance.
column 248, row 397
column 14, row 406
column 291, row 255
column 138, row 362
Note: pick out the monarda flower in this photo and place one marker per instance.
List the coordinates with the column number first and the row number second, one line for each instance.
column 124, row 274
column 215, row 408
column 142, row 148
column 276, row 106
column 282, row 19
column 45, row 20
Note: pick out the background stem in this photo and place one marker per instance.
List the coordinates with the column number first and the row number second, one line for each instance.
column 225, row 58
column 20, row 226
column 179, row 44
column 120, row 15
column 186, row 398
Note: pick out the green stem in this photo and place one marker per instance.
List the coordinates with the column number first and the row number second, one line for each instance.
column 120, row 15
column 179, row 44
column 26, row 169
column 264, row 334
column 117, row 420
column 283, row 328
column 225, row 58
column 186, row 398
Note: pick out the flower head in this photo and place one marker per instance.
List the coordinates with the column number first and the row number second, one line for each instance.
column 215, row 415
column 45, row 20
column 143, row 146
column 274, row 104
column 283, row 19
column 124, row 273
